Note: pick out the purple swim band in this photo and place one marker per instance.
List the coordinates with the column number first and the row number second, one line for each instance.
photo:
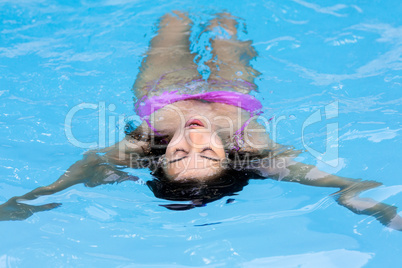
column 147, row 106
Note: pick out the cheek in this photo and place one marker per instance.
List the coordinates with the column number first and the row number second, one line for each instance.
column 218, row 147
column 173, row 145
column 218, row 142
column 169, row 151
column 170, row 171
column 221, row 153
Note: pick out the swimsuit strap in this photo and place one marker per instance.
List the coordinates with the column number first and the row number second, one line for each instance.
column 151, row 126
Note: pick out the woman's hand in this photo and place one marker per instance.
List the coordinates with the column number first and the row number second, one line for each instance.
column 286, row 169
column 15, row 211
column 94, row 169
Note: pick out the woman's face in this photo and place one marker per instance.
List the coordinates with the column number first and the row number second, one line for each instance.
column 195, row 152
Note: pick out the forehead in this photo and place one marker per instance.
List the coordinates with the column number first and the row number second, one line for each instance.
column 204, row 174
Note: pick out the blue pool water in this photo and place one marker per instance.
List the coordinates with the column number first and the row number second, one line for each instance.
column 55, row 55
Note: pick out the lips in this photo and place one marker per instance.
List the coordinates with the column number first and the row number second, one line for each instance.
column 194, row 123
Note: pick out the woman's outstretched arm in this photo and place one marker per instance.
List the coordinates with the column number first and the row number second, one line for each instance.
column 279, row 164
column 286, row 169
column 97, row 167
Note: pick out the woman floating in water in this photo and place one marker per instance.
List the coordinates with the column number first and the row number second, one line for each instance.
column 201, row 138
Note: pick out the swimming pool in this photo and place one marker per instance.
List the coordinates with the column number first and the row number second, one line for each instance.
column 55, row 56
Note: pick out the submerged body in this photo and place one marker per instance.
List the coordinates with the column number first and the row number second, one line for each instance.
column 195, row 135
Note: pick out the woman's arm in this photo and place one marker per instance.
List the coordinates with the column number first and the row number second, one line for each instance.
column 286, row 169
column 97, row 167
column 279, row 164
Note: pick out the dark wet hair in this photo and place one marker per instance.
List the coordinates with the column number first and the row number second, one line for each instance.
column 232, row 180
column 199, row 193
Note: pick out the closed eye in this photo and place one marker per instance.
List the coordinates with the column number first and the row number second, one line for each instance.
column 202, row 156
column 176, row 160
column 210, row 158
column 180, row 152
column 207, row 149
column 209, row 153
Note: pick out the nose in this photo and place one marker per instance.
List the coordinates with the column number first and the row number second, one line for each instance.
column 198, row 140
